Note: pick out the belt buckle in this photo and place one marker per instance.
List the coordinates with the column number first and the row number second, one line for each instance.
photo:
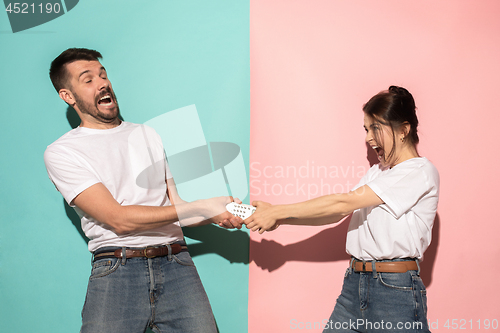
column 146, row 253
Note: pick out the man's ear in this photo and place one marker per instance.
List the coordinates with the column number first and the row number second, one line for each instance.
column 67, row 96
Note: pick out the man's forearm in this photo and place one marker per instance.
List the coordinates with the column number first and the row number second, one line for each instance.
column 98, row 202
column 126, row 219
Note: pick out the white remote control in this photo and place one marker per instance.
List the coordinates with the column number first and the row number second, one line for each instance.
column 241, row 210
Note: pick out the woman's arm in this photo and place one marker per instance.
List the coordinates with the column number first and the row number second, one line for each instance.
column 319, row 211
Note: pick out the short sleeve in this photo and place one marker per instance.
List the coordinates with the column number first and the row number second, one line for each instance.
column 69, row 177
column 370, row 174
column 401, row 188
column 159, row 143
column 168, row 174
column 361, row 182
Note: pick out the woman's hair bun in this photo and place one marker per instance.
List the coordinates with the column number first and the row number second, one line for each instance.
column 399, row 91
column 404, row 95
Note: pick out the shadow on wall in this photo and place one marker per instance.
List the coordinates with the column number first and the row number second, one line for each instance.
column 229, row 244
column 72, row 116
column 74, row 122
column 371, row 155
column 328, row 245
column 75, row 219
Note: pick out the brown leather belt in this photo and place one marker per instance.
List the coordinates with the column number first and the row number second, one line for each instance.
column 385, row 266
column 148, row 252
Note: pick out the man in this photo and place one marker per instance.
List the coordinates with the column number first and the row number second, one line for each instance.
column 115, row 175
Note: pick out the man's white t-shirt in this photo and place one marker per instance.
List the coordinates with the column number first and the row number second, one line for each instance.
column 402, row 226
column 129, row 161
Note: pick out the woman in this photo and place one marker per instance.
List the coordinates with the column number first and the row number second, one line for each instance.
column 393, row 209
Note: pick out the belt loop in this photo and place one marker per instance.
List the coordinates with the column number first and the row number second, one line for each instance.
column 124, row 255
column 169, row 252
column 374, row 269
column 418, row 265
column 351, row 265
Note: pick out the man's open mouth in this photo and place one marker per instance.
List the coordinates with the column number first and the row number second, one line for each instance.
column 105, row 100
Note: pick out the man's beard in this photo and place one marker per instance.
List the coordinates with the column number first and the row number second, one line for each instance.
column 93, row 110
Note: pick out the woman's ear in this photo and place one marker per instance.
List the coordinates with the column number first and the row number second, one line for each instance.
column 404, row 131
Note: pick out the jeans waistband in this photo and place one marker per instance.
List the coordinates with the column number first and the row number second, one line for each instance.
column 142, row 252
column 399, row 265
column 114, row 248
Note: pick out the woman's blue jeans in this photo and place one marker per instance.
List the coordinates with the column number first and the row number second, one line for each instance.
column 380, row 302
column 129, row 295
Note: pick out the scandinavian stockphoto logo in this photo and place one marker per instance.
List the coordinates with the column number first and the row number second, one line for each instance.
column 26, row 15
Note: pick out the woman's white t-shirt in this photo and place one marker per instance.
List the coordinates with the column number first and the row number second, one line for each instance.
column 401, row 227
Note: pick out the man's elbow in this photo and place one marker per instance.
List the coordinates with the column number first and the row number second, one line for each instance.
column 118, row 224
column 122, row 227
column 121, row 230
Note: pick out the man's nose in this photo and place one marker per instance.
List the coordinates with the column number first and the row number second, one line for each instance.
column 103, row 84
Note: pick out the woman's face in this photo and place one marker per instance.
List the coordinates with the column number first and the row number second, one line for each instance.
column 380, row 137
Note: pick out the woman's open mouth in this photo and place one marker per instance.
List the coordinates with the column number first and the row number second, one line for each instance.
column 379, row 151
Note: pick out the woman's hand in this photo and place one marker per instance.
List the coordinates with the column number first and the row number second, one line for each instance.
column 264, row 218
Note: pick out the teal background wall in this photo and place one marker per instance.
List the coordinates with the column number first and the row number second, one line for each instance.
column 160, row 56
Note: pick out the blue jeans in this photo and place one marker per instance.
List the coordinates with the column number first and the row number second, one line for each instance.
column 163, row 293
column 380, row 302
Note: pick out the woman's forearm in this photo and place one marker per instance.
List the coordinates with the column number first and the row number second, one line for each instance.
column 319, row 210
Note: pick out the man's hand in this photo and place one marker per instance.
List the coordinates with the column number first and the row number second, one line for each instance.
column 214, row 210
column 218, row 214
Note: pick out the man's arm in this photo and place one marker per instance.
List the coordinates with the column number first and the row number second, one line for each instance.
column 98, row 202
column 224, row 219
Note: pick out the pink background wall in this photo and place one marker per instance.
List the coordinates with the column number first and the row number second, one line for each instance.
column 313, row 65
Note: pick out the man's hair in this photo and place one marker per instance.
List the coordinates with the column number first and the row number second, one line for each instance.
column 59, row 74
